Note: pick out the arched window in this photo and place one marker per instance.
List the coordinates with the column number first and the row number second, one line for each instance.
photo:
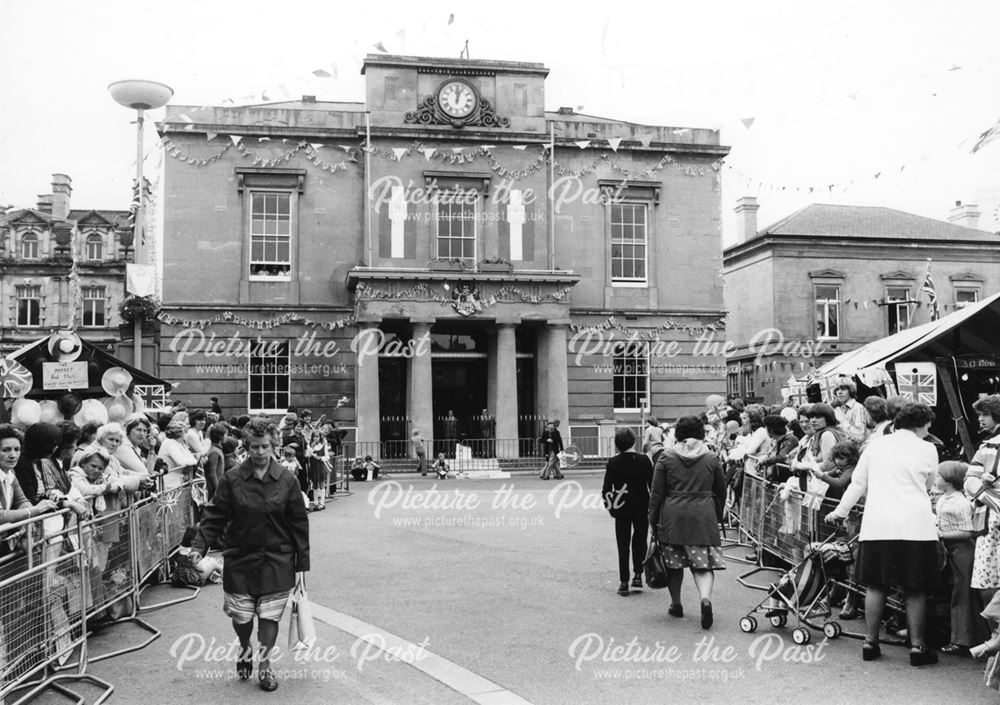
column 29, row 246
column 94, row 247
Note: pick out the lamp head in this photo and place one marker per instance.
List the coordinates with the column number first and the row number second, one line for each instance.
column 141, row 95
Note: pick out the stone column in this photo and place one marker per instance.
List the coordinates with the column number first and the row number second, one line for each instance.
column 557, row 384
column 420, row 401
column 506, row 399
column 366, row 392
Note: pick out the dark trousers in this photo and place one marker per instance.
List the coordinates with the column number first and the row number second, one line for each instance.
column 630, row 529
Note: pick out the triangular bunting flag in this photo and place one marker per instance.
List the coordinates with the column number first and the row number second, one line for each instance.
column 451, row 18
column 582, row 144
column 345, row 147
column 748, row 122
column 457, row 150
column 487, row 146
column 209, row 136
column 614, row 142
column 316, row 146
column 399, row 152
column 188, row 128
column 521, row 147
column 185, row 118
column 428, row 152
column 323, row 73
column 236, row 139
column 645, row 140
column 378, row 45
column 263, row 139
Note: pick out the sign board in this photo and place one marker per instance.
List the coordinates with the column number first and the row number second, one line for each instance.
column 64, row 375
column 978, row 362
column 570, row 456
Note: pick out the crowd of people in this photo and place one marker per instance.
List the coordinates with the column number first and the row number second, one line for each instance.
column 930, row 524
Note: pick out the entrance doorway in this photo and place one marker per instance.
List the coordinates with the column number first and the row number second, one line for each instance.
column 459, row 386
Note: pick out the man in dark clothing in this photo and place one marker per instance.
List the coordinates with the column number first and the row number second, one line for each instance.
column 627, row 478
column 551, row 443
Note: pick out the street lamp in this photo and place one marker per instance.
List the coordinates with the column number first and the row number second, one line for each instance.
column 139, row 95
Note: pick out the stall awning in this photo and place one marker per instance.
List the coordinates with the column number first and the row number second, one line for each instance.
column 975, row 325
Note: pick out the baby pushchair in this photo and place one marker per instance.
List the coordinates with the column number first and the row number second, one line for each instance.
column 804, row 590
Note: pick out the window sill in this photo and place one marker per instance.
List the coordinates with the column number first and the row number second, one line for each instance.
column 262, row 278
column 268, row 411
column 630, row 285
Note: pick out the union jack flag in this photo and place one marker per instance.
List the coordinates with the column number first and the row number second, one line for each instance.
column 928, row 288
column 154, row 396
column 918, row 385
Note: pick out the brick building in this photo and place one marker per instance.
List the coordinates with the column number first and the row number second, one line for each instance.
column 37, row 250
column 450, row 266
column 828, row 279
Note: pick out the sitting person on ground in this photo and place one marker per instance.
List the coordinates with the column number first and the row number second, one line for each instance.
column 358, row 469
column 371, row 468
column 441, row 467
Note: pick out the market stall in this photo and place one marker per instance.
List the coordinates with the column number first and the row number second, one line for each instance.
column 62, row 376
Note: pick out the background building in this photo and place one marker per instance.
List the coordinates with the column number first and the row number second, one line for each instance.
column 37, row 251
column 450, row 266
column 828, row 279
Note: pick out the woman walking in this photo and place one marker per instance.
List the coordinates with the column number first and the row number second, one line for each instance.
column 266, row 544
column 626, row 495
column 898, row 538
column 685, row 508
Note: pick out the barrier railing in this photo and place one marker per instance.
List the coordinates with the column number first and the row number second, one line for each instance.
column 65, row 575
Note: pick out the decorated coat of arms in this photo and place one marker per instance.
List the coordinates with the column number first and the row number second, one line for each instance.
column 465, row 300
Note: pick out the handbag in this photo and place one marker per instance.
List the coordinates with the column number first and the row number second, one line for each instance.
column 301, row 629
column 654, row 567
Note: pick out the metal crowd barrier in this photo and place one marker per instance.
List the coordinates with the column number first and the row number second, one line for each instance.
column 65, row 576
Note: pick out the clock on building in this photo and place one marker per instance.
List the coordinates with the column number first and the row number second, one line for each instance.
column 457, row 98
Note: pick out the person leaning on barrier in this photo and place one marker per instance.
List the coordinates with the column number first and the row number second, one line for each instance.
column 898, row 540
column 774, row 466
column 260, row 507
column 14, row 506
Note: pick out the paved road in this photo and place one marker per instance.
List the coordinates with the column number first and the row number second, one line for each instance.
column 503, row 592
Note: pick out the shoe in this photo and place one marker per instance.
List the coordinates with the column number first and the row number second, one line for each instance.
column 560, row 477
column 623, row 589
column 244, row 668
column 268, row 681
column 423, row 474
column 706, row 613
column 955, row 650
column 849, row 613
column 637, row 582
column 922, row 656
column 676, row 610
column 870, row 651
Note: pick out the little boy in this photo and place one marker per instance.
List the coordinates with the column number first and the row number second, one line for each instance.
column 441, row 467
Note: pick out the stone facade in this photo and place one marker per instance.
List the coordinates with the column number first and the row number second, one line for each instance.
column 871, row 256
column 37, row 247
column 470, row 240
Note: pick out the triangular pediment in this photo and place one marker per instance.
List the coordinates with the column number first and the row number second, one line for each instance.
column 93, row 218
column 967, row 277
column 27, row 218
column 898, row 274
column 827, row 274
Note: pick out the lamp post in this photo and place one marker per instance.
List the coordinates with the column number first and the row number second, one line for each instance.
column 140, row 96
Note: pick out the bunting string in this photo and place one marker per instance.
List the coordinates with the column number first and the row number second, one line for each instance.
column 611, row 323
column 424, row 292
column 231, row 318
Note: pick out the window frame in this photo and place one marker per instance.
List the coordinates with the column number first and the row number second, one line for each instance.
column 476, row 205
column 894, row 306
column 587, row 442
column 826, row 302
column 280, row 408
column 625, row 392
column 91, row 239
column 31, row 237
column 102, row 298
column 974, row 290
column 252, row 195
column 633, row 282
column 19, row 298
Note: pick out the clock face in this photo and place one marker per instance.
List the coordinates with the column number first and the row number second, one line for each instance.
column 457, row 99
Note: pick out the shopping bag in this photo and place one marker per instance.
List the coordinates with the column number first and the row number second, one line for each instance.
column 301, row 630
column 654, row 567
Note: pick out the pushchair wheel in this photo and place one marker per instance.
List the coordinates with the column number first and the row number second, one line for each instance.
column 748, row 625
column 800, row 635
column 778, row 620
column 831, row 630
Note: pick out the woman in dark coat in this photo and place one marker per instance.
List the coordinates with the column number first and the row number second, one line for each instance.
column 685, row 508
column 626, row 496
column 260, row 505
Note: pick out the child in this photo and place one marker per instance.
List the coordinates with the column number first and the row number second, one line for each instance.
column 290, row 462
column 441, row 466
column 358, row 469
column 371, row 468
column 954, row 517
column 229, row 448
column 319, row 468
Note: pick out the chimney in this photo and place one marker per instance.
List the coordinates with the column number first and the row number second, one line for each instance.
column 565, row 111
column 308, row 99
column 45, row 203
column 62, row 188
column 965, row 215
column 746, row 218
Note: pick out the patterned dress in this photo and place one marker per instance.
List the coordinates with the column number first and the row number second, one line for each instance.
column 986, row 567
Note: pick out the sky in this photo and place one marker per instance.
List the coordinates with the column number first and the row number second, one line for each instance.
column 808, row 95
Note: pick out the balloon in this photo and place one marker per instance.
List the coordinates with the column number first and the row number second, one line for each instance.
column 25, row 412
column 118, row 407
column 50, row 412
